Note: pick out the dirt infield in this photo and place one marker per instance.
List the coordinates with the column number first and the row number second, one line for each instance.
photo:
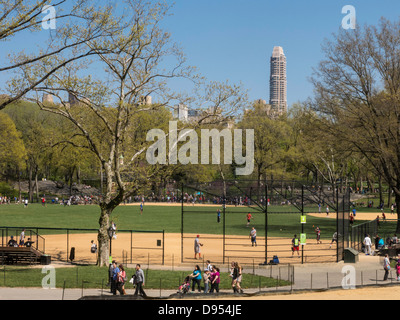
column 145, row 250
column 359, row 216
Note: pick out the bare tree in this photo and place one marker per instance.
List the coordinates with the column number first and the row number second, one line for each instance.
column 77, row 22
column 103, row 95
column 358, row 87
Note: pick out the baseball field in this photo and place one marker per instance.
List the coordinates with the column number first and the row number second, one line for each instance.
column 155, row 237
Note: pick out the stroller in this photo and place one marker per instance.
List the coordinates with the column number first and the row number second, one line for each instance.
column 185, row 286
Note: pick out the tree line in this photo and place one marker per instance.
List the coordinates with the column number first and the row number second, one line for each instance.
column 104, row 60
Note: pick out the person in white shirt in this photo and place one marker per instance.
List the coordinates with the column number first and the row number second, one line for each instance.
column 367, row 243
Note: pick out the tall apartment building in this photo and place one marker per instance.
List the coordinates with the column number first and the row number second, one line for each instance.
column 278, row 82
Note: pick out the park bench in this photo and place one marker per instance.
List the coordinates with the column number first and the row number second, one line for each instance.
column 22, row 255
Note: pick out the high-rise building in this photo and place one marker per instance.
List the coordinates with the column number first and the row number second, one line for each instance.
column 278, row 82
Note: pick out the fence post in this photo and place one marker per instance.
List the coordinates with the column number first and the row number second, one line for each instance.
column 63, row 291
column 327, row 280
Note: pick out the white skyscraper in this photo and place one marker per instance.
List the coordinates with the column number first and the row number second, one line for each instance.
column 278, row 82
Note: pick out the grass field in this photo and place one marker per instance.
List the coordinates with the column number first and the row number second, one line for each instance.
column 95, row 277
column 168, row 218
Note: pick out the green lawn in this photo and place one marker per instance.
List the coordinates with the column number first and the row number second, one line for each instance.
column 168, row 218
column 96, row 277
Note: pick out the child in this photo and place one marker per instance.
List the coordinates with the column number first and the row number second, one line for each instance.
column 398, row 270
column 184, row 288
column 206, row 278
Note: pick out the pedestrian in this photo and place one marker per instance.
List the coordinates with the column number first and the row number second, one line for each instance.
column 367, row 244
column 354, row 212
column 206, row 278
column 114, row 280
column 209, row 266
column 327, row 211
column 318, row 232
column 253, row 236
column 197, row 246
column 239, row 270
column 295, row 245
column 392, row 209
column 215, row 280
column 141, row 208
column 398, row 270
column 139, row 281
column 121, row 278
column 383, row 216
column 351, row 218
column 196, row 278
column 248, row 217
column 386, row 267
column 233, row 275
column 26, row 203
column 218, row 215
column 334, row 239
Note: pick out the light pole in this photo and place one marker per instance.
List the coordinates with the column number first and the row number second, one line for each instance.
column 110, row 235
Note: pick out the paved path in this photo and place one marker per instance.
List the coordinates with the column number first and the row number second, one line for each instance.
column 368, row 271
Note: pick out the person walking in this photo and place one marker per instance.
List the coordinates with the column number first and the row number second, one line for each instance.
column 248, row 217
column 121, row 278
column 398, row 270
column 139, row 281
column 367, row 244
column 239, row 277
column 206, row 278
column 197, row 246
column 334, row 239
column 209, row 266
column 386, row 267
column 218, row 215
column 253, row 237
column 215, row 280
column 196, row 278
column 114, row 280
column 233, row 275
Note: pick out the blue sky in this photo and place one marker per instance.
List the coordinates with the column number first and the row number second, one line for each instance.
column 233, row 39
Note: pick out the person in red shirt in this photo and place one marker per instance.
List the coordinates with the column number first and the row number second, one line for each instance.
column 249, row 216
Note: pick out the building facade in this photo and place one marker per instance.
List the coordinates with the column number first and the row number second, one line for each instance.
column 278, row 81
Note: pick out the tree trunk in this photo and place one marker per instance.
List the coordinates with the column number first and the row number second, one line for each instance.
column 397, row 199
column 380, row 191
column 37, row 186
column 30, row 193
column 102, row 236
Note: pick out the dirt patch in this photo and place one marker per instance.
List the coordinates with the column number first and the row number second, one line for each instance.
column 144, row 248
